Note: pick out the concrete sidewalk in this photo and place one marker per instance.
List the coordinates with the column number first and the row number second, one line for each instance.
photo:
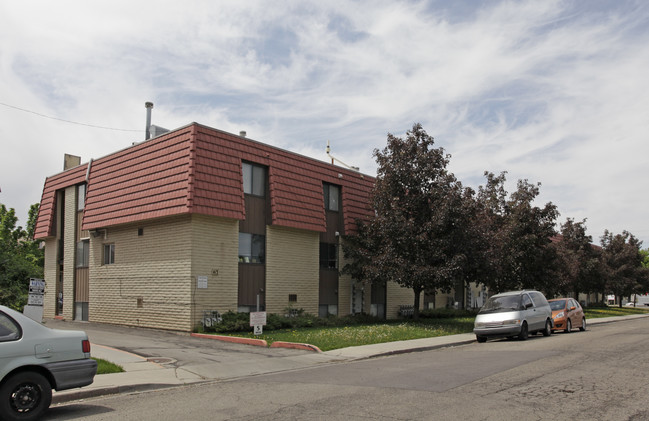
column 156, row 373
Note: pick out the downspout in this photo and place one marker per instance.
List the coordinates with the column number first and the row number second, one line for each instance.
column 88, row 171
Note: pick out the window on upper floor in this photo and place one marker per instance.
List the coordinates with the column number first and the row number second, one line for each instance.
column 328, row 256
column 109, row 254
column 83, row 254
column 254, row 179
column 81, row 196
column 252, row 248
column 332, row 197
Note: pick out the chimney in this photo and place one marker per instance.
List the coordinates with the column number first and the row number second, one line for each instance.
column 70, row 161
column 242, row 133
column 148, row 106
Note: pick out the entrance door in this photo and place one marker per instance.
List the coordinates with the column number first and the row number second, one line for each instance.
column 251, row 285
column 377, row 307
column 328, row 293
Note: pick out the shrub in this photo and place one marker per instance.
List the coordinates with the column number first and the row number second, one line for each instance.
column 446, row 313
column 240, row 322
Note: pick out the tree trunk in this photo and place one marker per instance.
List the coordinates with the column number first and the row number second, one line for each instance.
column 415, row 312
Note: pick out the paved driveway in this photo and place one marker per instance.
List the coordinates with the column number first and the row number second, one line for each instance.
column 207, row 358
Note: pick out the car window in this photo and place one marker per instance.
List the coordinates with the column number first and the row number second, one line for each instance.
column 539, row 299
column 558, row 305
column 497, row 304
column 9, row 329
column 526, row 300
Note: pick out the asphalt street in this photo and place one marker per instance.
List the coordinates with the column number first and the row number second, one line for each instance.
column 155, row 359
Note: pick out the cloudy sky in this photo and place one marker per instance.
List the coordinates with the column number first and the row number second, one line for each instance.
column 555, row 92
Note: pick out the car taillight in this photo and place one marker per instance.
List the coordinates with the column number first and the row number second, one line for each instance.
column 85, row 345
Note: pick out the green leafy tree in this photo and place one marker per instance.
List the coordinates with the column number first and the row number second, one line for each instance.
column 645, row 258
column 518, row 254
column 20, row 257
column 623, row 263
column 579, row 260
column 415, row 239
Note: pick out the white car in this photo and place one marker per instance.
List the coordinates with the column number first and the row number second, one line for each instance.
column 515, row 313
column 35, row 359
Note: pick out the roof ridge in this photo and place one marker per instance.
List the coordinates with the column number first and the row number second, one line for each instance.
column 191, row 189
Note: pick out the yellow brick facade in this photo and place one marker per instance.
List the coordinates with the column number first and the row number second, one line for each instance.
column 149, row 284
column 398, row 296
column 69, row 249
column 50, row 274
column 292, row 267
column 214, row 253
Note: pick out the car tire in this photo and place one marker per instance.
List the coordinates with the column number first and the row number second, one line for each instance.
column 524, row 332
column 548, row 328
column 481, row 339
column 25, row 396
column 583, row 324
column 568, row 326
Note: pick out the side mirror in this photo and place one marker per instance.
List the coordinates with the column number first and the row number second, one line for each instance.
column 528, row 305
column 572, row 308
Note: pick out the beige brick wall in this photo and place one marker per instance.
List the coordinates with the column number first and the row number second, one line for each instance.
column 398, row 295
column 50, row 271
column 442, row 299
column 215, row 251
column 150, row 282
column 69, row 248
column 292, row 267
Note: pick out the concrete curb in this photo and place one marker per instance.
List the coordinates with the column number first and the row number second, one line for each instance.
column 258, row 342
column 419, row 349
column 235, row 339
column 293, row 345
column 75, row 395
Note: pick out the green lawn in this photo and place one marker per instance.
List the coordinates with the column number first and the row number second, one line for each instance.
column 594, row 312
column 328, row 338
column 106, row 367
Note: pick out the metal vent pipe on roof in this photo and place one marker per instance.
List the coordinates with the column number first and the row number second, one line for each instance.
column 148, row 105
column 242, row 133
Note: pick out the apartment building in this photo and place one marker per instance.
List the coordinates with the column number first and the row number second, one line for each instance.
column 197, row 220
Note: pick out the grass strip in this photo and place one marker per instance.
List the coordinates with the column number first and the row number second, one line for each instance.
column 328, row 338
column 106, row 367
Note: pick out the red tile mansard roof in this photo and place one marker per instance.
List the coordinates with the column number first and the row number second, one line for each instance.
column 197, row 169
column 45, row 224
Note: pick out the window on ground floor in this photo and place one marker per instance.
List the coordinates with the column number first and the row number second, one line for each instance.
column 83, row 254
column 252, row 248
column 328, row 256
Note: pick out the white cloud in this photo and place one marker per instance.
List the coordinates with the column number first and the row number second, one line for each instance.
column 551, row 91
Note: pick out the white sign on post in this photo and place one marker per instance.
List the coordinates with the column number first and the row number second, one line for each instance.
column 34, row 307
column 258, row 320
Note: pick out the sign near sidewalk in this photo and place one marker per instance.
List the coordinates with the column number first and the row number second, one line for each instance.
column 34, row 307
column 258, row 321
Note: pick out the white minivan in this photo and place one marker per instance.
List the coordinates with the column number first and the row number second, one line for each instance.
column 513, row 314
